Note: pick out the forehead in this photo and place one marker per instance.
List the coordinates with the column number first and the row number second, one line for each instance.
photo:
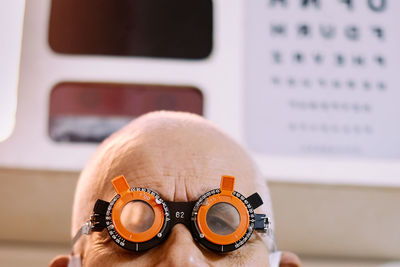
column 180, row 162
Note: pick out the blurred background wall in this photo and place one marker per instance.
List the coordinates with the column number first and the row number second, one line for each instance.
column 308, row 87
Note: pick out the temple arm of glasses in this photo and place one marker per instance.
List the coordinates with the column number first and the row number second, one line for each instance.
column 96, row 221
column 84, row 230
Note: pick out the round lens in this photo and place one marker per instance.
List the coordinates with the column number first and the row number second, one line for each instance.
column 223, row 218
column 137, row 216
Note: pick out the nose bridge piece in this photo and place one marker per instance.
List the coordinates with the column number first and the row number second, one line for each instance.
column 180, row 212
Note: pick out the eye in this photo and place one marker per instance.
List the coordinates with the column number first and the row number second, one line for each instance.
column 137, row 216
column 220, row 226
column 223, row 218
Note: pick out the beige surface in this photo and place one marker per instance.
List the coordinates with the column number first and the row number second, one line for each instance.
column 33, row 255
column 345, row 221
column 37, row 205
column 315, row 220
column 329, row 262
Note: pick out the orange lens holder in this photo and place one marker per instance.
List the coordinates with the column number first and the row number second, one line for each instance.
column 126, row 196
column 226, row 195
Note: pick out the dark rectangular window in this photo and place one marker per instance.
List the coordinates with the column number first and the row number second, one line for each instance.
column 150, row 28
column 89, row 112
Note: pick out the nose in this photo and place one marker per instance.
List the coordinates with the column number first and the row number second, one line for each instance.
column 181, row 250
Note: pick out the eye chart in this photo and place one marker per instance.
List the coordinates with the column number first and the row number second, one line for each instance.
column 323, row 78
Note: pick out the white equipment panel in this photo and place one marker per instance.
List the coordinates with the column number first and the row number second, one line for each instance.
column 308, row 87
column 321, row 98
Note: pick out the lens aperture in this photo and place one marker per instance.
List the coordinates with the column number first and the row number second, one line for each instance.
column 137, row 216
column 223, row 218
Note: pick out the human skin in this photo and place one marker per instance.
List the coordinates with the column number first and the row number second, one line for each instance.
column 181, row 156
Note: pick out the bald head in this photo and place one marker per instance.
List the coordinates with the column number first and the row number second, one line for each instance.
column 179, row 155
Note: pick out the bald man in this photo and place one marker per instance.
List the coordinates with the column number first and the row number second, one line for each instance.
column 180, row 156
